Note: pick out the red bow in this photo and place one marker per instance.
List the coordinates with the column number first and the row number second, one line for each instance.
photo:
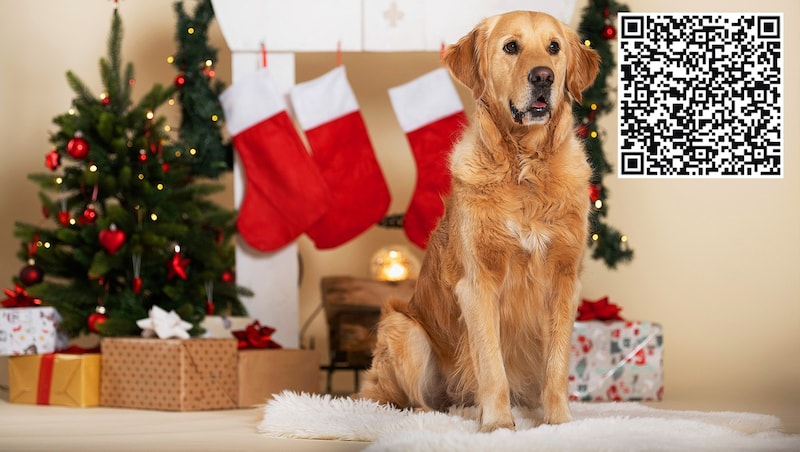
column 18, row 298
column 601, row 309
column 256, row 336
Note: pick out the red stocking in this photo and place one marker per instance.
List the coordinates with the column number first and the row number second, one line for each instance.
column 284, row 191
column 328, row 112
column 430, row 113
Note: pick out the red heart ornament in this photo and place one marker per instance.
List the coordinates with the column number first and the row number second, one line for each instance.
column 112, row 239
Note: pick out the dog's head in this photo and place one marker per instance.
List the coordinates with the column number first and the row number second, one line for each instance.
column 525, row 63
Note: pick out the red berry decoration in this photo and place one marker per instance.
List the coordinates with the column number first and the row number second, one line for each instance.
column 77, row 147
column 30, row 275
column 165, row 167
column 142, row 155
column 137, row 284
column 609, row 32
column 594, row 192
column 227, row 277
column 180, row 80
column 583, row 131
column 52, row 160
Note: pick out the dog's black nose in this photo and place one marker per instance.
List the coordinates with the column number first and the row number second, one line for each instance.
column 541, row 77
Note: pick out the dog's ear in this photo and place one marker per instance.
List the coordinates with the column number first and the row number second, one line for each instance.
column 583, row 66
column 466, row 60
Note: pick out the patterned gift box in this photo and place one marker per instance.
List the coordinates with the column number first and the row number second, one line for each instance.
column 55, row 379
column 616, row 360
column 30, row 331
column 264, row 372
column 169, row 374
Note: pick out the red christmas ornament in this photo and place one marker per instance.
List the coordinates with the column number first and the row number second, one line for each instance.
column 594, row 192
column 105, row 100
column 583, row 130
column 63, row 218
column 142, row 155
column 95, row 320
column 209, row 307
column 77, row 147
column 88, row 216
column 52, row 160
column 177, row 265
column 112, row 239
column 180, row 81
column 136, row 259
column 227, row 277
column 30, row 275
column 609, row 32
column 165, row 167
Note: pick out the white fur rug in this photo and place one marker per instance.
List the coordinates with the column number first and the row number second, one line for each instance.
column 595, row 427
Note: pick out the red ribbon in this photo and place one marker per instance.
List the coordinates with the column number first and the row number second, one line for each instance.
column 601, row 309
column 46, row 365
column 256, row 336
column 45, row 379
column 18, row 298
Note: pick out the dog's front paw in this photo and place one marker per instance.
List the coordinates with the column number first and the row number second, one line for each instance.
column 492, row 423
column 557, row 414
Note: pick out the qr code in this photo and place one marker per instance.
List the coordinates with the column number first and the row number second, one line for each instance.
column 700, row 95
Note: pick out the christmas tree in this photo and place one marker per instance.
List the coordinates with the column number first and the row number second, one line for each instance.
column 597, row 28
column 132, row 226
column 198, row 91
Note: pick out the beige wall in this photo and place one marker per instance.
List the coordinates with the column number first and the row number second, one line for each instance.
column 716, row 260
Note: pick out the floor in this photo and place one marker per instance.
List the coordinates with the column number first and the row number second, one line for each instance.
column 48, row 428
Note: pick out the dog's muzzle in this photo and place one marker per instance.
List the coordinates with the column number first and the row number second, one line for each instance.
column 540, row 79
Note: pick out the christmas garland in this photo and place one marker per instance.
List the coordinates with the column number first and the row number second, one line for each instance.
column 598, row 30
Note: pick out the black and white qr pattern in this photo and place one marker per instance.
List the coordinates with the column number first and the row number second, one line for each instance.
column 700, row 95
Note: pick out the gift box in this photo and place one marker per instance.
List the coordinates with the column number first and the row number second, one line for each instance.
column 616, row 360
column 30, row 331
column 169, row 374
column 223, row 326
column 264, row 372
column 55, row 379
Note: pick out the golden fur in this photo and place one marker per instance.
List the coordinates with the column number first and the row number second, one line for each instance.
column 490, row 321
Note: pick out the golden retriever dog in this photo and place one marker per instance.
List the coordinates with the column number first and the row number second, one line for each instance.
column 490, row 321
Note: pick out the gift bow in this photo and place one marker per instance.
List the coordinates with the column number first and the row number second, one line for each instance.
column 18, row 298
column 256, row 336
column 164, row 324
column 601, row 309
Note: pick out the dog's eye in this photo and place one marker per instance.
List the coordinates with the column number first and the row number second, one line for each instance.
column 553, row 48
column 511, row 48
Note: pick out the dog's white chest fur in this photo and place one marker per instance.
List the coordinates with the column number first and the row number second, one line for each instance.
column 531, row 239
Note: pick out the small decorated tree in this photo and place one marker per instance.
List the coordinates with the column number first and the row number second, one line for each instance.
column 130, row 222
